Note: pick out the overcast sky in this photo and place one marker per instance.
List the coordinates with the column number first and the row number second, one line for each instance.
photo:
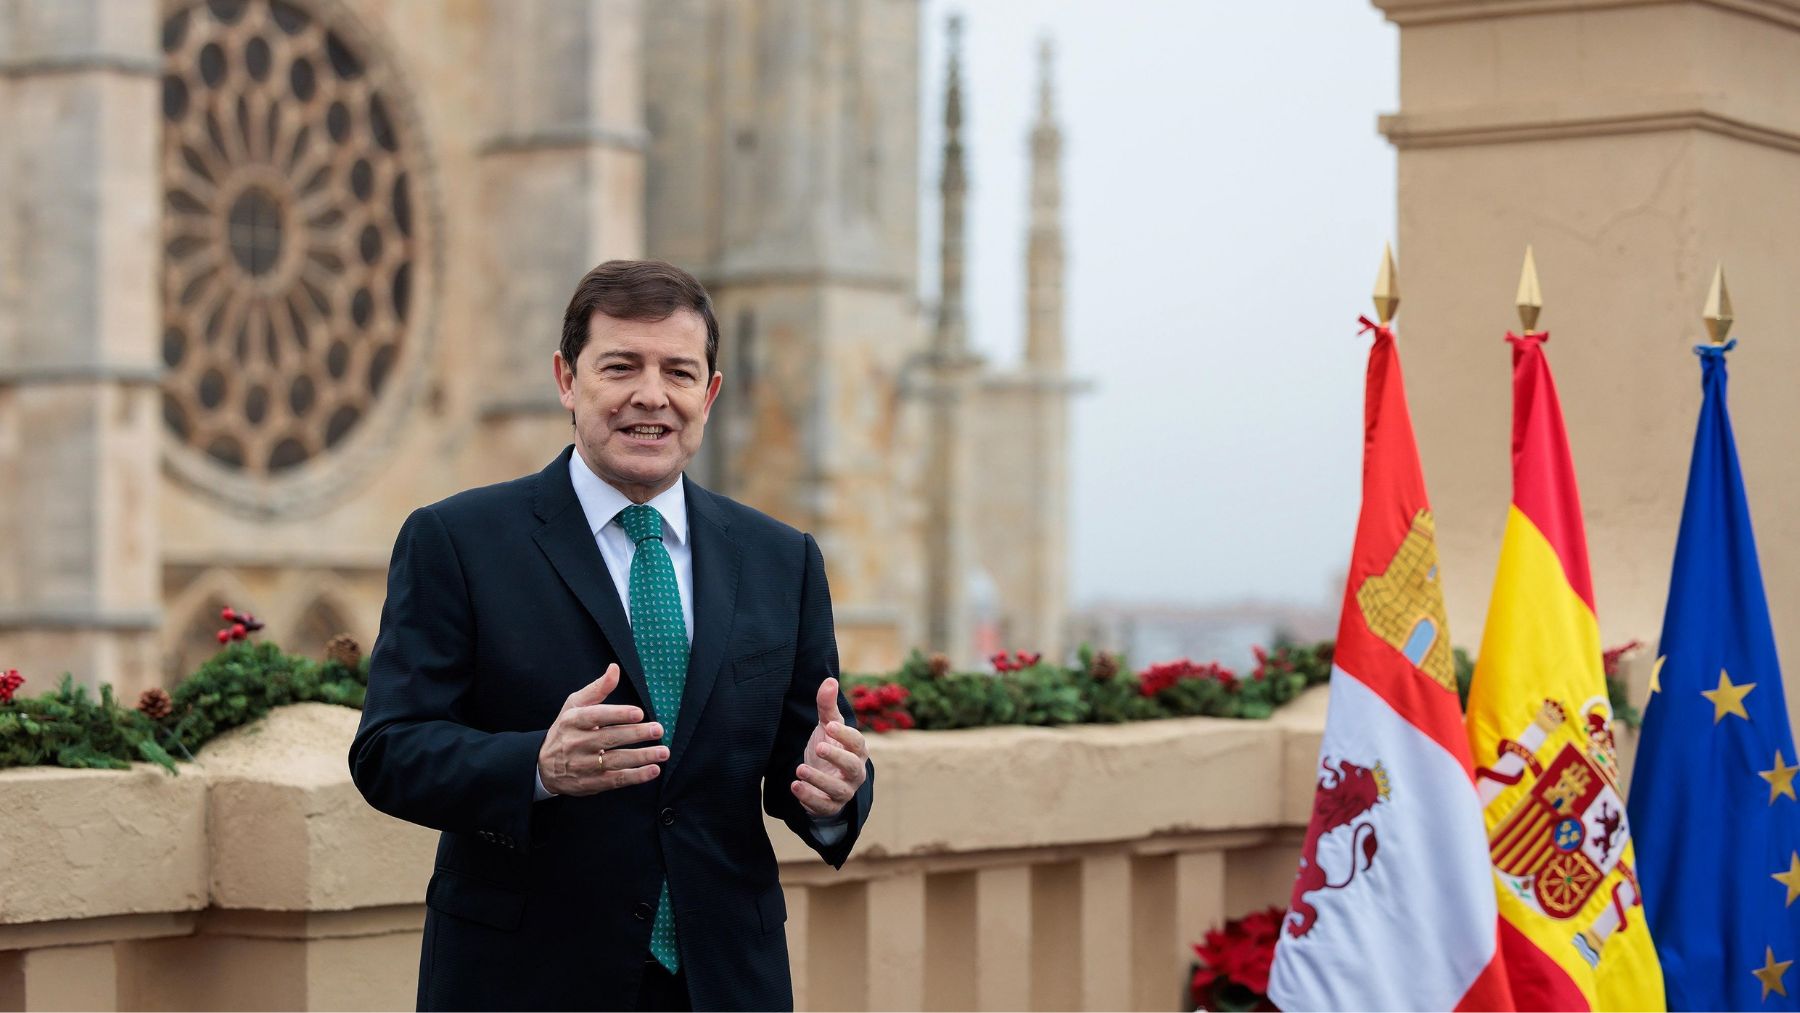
column 1226, row 196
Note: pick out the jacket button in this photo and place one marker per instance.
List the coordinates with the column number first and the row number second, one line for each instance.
column 642, row 912
column 668, row 817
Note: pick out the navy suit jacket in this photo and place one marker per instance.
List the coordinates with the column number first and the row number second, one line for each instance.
column 499, row 607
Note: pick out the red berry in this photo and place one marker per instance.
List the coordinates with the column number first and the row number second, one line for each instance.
column 227, row 614
column 224, row 635
column 238, row 630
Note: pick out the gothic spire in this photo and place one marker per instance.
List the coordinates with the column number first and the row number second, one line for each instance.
column 1044, row 242
column 951, row 338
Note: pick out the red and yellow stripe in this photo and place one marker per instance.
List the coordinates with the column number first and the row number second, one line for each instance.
column 1542, row 642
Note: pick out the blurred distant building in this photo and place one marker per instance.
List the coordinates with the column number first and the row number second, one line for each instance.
column 997, row 478
column 275, row 272
column 1149, row 633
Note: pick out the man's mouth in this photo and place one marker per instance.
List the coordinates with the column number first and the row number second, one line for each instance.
column 646, row 432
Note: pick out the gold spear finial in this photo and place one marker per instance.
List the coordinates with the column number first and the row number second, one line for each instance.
column 1387, row 287
column 1531, row 300
column 1718, row 308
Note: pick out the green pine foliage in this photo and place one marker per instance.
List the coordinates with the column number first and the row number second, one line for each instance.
column 245, row 681
column 68, row 728
column 1099, row 689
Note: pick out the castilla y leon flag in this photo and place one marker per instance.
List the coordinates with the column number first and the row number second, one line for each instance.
column 1393, row 906
column 1540, row 727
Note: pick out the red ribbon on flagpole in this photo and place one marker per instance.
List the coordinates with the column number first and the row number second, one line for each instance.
column 1381, row 330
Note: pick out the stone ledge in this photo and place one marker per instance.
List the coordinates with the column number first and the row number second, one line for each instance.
column 263, row 820
column 1542, row 121
column 90, row 843
column 1407, row 13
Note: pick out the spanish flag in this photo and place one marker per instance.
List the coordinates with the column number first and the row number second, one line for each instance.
column 1572, row 927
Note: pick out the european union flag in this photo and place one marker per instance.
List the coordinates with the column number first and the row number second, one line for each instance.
column 1712, row 796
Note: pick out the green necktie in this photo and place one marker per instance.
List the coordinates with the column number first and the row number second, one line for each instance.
column 660, row 632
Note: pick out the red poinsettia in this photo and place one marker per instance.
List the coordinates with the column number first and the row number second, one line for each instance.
column 1016, row 661
column 1609, row 660
column 881, row 708
column 1232, row 971
column 1156, row 678
column 1280, row 662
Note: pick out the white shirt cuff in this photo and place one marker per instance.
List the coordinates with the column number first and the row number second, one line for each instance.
column 830, row 829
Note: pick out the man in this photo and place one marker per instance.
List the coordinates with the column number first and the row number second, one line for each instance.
column 586, row 677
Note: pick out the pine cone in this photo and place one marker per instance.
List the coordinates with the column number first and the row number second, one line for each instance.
column 1105, row 666
column 155, row 704
column 940, row 666
column 344, row 650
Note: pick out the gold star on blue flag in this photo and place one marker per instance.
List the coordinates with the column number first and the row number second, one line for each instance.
column 1717, row 835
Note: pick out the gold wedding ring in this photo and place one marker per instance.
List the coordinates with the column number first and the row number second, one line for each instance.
column 600, row 761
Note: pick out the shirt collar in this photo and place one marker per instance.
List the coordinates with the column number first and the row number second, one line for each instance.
column 602, row 503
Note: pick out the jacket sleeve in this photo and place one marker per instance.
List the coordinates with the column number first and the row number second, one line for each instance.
column 815, row 660
column 418, row 754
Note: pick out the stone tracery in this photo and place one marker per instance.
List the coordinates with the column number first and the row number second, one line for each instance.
column 289, row 233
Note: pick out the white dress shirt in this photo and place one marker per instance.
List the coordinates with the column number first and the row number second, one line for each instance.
column 602, row 504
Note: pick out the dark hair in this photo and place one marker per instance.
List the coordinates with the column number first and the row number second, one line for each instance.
column 648, row 290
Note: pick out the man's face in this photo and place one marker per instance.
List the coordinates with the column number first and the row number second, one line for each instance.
column 641, row 394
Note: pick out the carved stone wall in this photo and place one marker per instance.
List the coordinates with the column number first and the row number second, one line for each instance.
column 294, row 263
column 406, row 194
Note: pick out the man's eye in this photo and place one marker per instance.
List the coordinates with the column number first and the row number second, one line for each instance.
column 618, row 367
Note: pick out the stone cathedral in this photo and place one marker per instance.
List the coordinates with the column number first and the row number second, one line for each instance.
column 275, row 272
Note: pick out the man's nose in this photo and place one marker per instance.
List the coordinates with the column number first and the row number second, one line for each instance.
column 651, row 394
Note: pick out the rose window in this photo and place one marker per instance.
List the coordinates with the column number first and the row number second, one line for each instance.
column 293, row 255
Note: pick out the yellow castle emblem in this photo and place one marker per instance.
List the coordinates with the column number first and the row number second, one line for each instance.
column 1404, row 604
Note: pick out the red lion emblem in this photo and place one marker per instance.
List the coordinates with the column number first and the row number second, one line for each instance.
column 1345, row 792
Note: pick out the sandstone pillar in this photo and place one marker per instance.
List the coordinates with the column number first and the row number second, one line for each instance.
column 783, row 171
column 563, row 190
column 1635, row 145
column 79, row 433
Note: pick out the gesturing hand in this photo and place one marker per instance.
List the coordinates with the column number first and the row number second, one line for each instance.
column 583, row 754
column 835, row 759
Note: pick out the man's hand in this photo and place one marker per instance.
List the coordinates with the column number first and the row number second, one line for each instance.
column 835, row 760
column 584, row 753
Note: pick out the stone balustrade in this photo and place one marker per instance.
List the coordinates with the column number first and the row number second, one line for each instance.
column 1008, row 868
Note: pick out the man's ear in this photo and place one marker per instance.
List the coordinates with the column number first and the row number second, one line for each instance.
column 712, row 393
column 565, row 379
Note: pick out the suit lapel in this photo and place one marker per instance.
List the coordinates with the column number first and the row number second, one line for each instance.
column 566, row 541
column 715, row 605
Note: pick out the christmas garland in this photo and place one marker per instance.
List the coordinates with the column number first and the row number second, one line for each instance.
column 69, row 728
column 1026, row 689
